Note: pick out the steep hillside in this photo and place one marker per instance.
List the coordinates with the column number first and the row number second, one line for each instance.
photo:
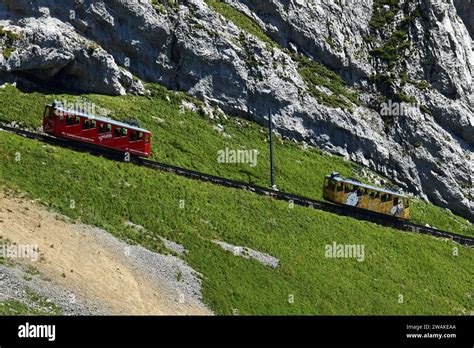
column 398, row 273
column 327, row 70
column 189, row 134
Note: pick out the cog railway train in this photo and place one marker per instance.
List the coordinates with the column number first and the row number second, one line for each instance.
column 354, row 193
column 104, row 132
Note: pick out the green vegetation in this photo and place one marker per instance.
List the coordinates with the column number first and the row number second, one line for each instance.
column 163, row 6
column 381, row 16
column 108, row 193
column 241, row 20
column 9, row 38
column 189, row 139
column 316, row 75
column 37, row 305
column 394, row 45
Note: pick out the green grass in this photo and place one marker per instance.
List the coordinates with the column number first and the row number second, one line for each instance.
column 108, row 193
column 188, row 139
column 241, row 20
column 38, row 305
column 10, row 37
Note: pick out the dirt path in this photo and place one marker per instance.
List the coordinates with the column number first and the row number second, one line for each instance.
column 92, row 264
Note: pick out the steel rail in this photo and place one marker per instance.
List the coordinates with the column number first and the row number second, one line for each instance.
column 342, row 210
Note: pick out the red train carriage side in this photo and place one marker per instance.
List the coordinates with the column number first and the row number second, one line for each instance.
column 92, row 129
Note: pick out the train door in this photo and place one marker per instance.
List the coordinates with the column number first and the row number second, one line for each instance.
column 49, row 120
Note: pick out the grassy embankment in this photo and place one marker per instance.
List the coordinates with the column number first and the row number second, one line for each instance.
column 424, row 270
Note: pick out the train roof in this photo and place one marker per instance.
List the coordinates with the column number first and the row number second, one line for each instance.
column 99, row 118
column 339, row 178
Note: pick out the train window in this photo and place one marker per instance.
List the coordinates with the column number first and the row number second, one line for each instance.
column 102, row 128
column 89, row 124
column 372, row 194
column 135, row 136
column 140, row 135
column 61, row 117
column 361, row 191
column 347, row 188
column 329, row 184
column 406, row 203
column 396, row 201
column 71, row 120
column 386, row 197
column 120, row 132
column 109, row 128
column 339, row 187
column 147, row 138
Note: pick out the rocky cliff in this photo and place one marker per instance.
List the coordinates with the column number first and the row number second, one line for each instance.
column 334, row 73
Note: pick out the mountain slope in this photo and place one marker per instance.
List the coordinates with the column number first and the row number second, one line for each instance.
column 398, row 273
column 275, row 56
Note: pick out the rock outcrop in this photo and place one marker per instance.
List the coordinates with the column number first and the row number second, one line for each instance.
column 96, row 46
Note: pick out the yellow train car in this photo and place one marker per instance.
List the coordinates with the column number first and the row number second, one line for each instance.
column 350, row 192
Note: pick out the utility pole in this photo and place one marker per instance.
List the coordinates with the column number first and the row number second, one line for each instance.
column 272, row 168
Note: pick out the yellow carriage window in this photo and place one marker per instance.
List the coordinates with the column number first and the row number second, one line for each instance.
column 330, row 185
column 339, row 187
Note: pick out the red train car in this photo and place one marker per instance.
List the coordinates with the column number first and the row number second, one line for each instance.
column 104, row 132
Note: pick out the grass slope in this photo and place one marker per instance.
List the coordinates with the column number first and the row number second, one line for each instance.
column 185, row 138
column 425, row 271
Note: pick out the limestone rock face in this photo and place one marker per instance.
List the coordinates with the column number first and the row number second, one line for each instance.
column 96, row 46
column 465, row 9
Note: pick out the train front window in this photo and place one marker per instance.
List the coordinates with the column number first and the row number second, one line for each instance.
column 396, row 201
column 330, row 185
column 147, row 138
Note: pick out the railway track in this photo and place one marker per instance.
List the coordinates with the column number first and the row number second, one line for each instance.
column 353, row 212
